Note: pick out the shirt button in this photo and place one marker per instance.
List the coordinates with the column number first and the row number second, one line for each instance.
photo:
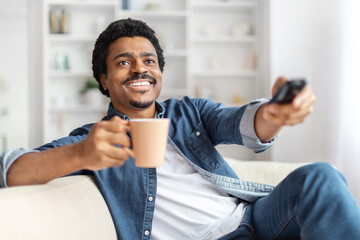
column 150, row 199
column 146, row 233
column 197, row 133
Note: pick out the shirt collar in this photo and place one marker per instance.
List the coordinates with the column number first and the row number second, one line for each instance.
column 160, row 110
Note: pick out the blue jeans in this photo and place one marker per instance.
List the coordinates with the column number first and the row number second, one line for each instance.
column 313, row 202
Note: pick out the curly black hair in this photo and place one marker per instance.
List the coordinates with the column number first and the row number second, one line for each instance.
column 117, row 29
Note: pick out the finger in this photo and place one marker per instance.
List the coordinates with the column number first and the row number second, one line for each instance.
column 116, row 125
column 117, row 153
column 290, row 108
column 101, row 135
column 110, row 162
column 121, row 139
column 289, row 119
column 302, row 113
column 281, row 120
column 307, row 103
column 280, row 109
column 129, row 151
column 306, row 95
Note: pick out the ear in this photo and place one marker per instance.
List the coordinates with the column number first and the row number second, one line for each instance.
column 103, row 81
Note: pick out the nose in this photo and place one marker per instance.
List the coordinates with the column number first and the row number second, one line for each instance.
column 139, row 67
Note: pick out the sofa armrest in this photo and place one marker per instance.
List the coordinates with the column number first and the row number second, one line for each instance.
column 65, row 208
column 268, row 172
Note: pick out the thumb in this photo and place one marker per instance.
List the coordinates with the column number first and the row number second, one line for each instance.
column 278, row 83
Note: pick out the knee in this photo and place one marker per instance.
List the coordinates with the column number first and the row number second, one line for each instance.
column 322, row 173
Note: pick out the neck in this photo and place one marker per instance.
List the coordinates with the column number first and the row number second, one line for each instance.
column 138, row 113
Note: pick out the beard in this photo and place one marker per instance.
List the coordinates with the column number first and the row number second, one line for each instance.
column 141, row 105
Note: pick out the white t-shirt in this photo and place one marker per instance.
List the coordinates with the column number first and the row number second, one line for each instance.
column 188, row 206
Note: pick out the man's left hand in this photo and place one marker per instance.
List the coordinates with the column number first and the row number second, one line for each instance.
column 270, row 118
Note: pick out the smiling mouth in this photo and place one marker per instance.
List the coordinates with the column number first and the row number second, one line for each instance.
column 140, row 80
column 138, row 84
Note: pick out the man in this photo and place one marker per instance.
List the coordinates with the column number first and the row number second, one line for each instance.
column 195, row 194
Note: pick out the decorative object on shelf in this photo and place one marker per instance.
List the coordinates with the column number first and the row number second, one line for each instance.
column 64, row 19
column 91, row 94
column 238, row 100
column 125, row 4
column 152, row 5
column 205, row 91
column 62, row 61
column 90, row 84
column 241, row 28
column 251, row 61
column 58, row 21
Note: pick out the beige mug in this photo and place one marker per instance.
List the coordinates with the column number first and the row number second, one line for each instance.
column 149, row 139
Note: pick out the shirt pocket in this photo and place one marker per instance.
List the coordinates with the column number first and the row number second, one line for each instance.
column 200, row 145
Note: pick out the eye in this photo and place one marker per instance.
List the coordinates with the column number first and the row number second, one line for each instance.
column 123, row 63
column 150, row 61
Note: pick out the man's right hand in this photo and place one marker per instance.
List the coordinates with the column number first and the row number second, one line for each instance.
column 99, row 150
column 96, row 151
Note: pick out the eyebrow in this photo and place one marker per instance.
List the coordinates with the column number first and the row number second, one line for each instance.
column 129, row 54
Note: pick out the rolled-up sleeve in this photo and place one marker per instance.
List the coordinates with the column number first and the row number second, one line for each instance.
column 247, row 128
column 7, row 159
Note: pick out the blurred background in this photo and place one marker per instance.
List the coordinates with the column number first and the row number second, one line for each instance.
column 230, row 51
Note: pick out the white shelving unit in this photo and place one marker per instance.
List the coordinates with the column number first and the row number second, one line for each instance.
column 213, row 49
column 67, row 62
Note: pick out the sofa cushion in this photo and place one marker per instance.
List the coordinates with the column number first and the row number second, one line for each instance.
column 268, row 172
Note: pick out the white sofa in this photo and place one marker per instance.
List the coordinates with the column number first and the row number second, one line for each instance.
column 73, row 208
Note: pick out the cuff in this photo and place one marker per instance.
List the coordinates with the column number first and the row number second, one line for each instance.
column 7, row 159
column 247, row 128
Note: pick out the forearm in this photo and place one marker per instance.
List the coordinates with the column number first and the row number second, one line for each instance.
column 42, row 167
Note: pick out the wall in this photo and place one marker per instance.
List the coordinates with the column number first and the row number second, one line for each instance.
column 14, row 71
column 304, row 41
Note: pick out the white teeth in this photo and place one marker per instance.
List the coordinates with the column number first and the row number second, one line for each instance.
column 139, row 84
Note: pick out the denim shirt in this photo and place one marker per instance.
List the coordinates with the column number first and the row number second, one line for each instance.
column 196, row 127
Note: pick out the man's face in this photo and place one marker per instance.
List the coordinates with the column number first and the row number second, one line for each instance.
column 134, row 79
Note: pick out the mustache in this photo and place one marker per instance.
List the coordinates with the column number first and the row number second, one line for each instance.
column 140, row 76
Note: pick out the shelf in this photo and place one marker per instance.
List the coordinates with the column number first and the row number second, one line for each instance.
column 203, row 4
column 226, row 39
column 81, row 108
column 225, row 73
column 153, row 13
column 69, row 74
column 13, row 12
column 175, row 53
column 71, row 38
column 82, row 3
